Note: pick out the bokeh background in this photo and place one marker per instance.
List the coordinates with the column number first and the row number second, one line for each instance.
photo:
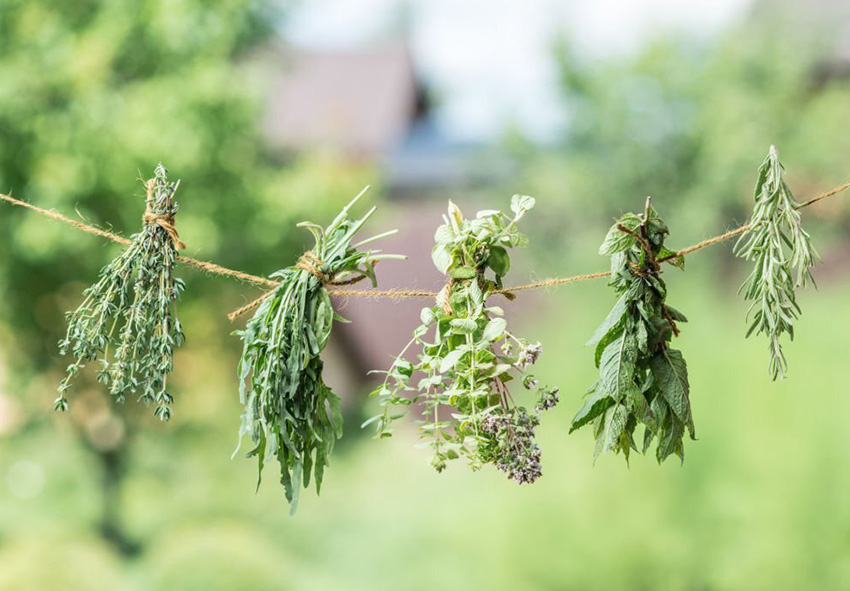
column 272, row 113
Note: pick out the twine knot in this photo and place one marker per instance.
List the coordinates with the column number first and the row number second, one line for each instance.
column 163, row 220
column 447, row 305
column 312, row 264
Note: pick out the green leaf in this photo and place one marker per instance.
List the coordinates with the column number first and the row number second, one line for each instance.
column 451, row 359
column 463, row 325
column 442, row 258
column 499, row 260
column 671, row 257
column 596, row 403
column 520, row 204
column 463, row 273
column 617, row 366
column 427, row 317
column 444, row 235
column 494, row 329
column 618, row 241
column 671, row 378
column 616, row 418
column 613, row 319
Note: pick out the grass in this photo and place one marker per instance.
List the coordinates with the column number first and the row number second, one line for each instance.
column 760, row 502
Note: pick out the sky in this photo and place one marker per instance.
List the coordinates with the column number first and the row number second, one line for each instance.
column 489, row 61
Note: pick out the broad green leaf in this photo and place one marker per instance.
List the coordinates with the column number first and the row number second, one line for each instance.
column 462, row 273
column 618, row 241
column 463, row 325
column 617, row 366
column 426, row 316
column 613, row 319
column 499, row 260
column 451, row 359
column 494, row 329
column 444, row 235
column 520, row 204
column 596, row 403
column 615, row 423
column 442, row 258
column 671, row 378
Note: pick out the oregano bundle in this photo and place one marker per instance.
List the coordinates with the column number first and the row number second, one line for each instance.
column 783, row 257
column 468, row 357
column 128, row 319
column 642, row 380
column 290, row 414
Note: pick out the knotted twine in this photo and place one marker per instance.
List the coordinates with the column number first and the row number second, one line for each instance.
column 163, row 220
column 393, row 293
column 316, row 267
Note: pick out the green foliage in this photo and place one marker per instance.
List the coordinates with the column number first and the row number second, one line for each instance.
column 681, row 118
column 93, row 91
column 782, row 256
column 642, row 381
column 468, row 356
column 133, row 308
column 290, row 413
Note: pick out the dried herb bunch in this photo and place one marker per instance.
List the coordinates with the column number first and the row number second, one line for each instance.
column 132, row 309
column 642, row 381
column 470, row 357
column 289, row 412
column 783, row 257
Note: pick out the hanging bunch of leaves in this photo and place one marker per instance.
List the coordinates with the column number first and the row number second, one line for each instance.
column 468, row 357
column 289, row 412
column 783, row 257
column 642, row 381
column 128, row 319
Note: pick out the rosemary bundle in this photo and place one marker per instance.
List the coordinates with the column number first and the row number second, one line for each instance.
column 642, row 381
column 469, row 359
column 783, row 257
column 132, row 308
column 289, row 412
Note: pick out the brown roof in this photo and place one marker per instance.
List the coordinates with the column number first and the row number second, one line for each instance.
column 357, row 102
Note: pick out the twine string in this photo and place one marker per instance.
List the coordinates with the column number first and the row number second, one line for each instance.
column 374, row 293
column 163, row 220
column 312, row 264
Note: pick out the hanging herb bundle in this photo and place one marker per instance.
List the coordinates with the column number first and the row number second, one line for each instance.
column 468, row 361
column 783, row 257
column 642, row 381
column 132, row 309
column 289, row 412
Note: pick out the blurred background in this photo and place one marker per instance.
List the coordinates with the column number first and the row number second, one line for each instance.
column 272, row 113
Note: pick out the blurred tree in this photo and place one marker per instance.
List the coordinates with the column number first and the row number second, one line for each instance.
column 93, row 93
column 689, row 124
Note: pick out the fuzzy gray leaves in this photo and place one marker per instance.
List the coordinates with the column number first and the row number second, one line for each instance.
column 783, row 257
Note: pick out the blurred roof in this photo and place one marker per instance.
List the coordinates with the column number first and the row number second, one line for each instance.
column 360, row 103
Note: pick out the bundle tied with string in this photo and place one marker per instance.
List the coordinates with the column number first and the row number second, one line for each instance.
column 290, row 414
column 128, row 321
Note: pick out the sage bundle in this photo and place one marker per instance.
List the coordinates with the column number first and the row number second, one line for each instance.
column 783, row 257
column 470, row 357
column 642, row 381
column 290, row 414
column 132, row 311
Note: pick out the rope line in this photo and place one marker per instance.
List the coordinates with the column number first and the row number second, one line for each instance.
column 309, row 263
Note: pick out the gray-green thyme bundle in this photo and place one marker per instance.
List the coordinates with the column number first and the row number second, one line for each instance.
column 128, row 319
column 468, row 357
column 782, row 255
column 290, row 414
column 642, row 380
